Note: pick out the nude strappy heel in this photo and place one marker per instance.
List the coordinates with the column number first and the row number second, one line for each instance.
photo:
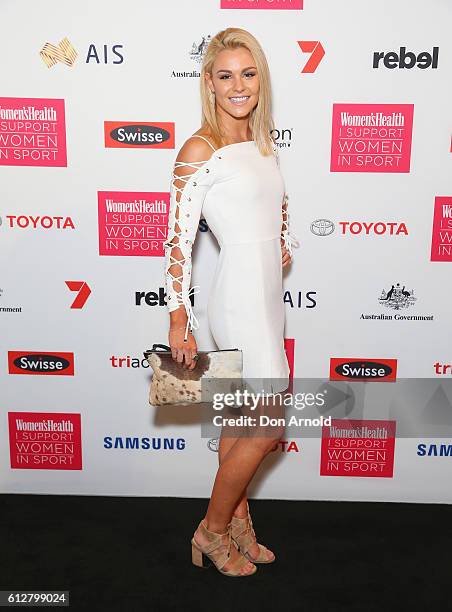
column 218, row 551
column 243, row 534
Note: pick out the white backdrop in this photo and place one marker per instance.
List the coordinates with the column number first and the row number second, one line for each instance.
column 135, row 65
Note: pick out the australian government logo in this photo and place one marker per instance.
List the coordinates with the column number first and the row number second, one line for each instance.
column 196, row 54
column 397, row 298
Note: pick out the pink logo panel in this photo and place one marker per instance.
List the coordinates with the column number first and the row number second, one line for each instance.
column 32, row 132
column 358, row 448
column 371, row 137
column 442, row 230
column 132, row 223
column 45, row 441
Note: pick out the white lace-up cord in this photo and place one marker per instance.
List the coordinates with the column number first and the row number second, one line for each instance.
column 181, row 297
column 290, row 240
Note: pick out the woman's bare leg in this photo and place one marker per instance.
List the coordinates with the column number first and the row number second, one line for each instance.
column 241, row 511
column 239, row 461
column 225, row 444
column 236, row 470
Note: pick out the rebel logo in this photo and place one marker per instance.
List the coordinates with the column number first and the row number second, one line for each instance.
column 143, row 134
column 26, row 362
column 363, row 369
column 314, row 47
column 155, row 298
column 406, row 59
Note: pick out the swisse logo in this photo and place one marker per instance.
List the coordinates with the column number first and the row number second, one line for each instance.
column 143, row 134
column 363, row 369
column 26, row 362
column 405, row 59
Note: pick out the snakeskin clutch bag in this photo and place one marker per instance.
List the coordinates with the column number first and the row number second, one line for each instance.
column 215, row 372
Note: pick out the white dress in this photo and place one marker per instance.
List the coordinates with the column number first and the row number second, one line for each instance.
column 242, row 196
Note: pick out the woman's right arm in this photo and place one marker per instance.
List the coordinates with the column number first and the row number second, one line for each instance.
column 189, row 186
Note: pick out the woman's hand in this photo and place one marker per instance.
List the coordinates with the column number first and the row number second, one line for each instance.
column 286, row 258
column 182, row 351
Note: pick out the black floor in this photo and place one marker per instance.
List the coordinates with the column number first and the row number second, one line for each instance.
column 133, row 553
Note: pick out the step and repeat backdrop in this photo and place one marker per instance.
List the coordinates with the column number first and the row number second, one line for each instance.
column 96, row 98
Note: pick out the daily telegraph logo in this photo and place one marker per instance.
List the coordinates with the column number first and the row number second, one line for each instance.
column 139, row 135
column 358, row 448
column 64, row 53
column 315, row 48
column 288, row 5
column 442, row 229
column 363, row 369
column 55, row 364
column 371, row 137
column 45, row 440
column 32, row 132
column 132, row 223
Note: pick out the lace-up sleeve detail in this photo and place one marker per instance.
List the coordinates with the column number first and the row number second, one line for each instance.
column 189, row 185
column 289, row 239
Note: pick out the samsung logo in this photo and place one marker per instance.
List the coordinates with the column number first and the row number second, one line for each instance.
column 434, row 450
column 143, row 443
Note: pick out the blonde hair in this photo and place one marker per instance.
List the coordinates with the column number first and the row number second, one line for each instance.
column 261, row 120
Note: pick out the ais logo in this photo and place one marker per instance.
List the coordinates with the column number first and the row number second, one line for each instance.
column 363, row 369
column 65, row 53
column 123, row 134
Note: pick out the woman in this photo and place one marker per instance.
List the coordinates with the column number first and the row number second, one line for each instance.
column 229, row 171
